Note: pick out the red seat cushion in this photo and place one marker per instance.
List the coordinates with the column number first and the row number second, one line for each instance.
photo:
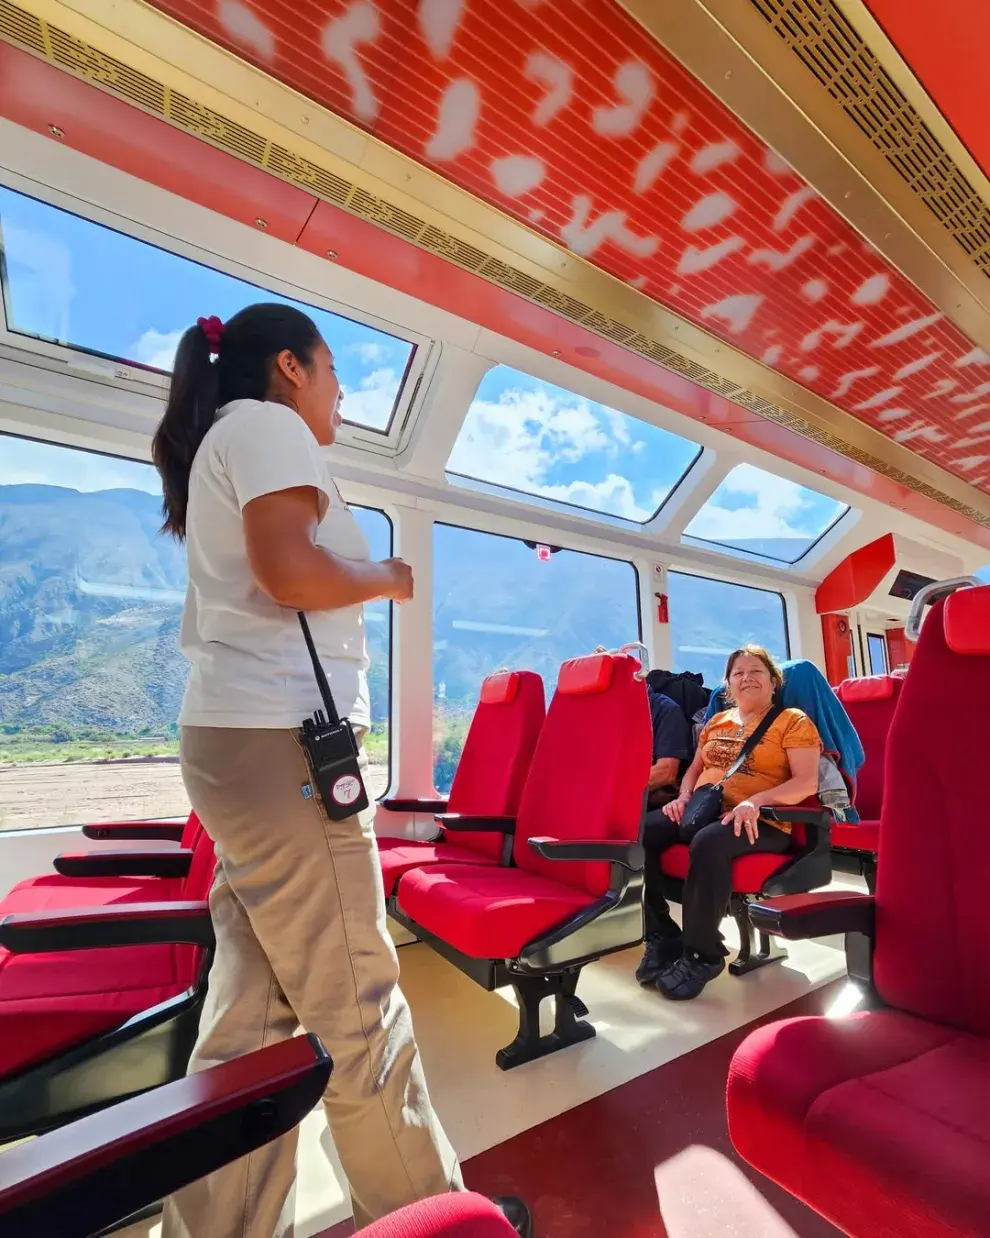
column 880, row 1122
column 399, row 855
column 856, row 835
column 50, row 1002
column 487, row 912
column 749, row 873
column 57, row 893
column 458, row 1215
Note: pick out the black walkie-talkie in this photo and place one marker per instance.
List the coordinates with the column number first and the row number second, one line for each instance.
column 332, row 749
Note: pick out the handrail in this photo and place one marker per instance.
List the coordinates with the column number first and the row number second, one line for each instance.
column 931, row 593
column 644, row 658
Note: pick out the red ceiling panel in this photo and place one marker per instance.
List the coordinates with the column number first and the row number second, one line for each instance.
column 565, row 114
column 946, row 48
column 36, row 95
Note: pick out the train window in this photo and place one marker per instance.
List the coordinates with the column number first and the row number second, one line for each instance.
column 526, row 438
column 756, row 513
column 876, row 643
column 91, row 676
column 498, row 602
column 709, row 618
column 58, row 267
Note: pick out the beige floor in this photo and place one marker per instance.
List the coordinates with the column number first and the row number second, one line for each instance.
column 460, row 1027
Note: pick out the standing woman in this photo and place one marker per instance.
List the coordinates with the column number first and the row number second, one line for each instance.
column 297, row 903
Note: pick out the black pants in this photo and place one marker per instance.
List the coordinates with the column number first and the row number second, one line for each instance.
column 708, row 885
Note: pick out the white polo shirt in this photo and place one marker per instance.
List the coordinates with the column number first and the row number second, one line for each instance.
column 250, row 667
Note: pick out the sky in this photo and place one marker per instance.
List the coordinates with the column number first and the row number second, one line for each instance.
column 520, row 433
column 60, row 269
column 23, row 461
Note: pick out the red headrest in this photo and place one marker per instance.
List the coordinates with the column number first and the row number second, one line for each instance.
column 869, row 688
column 967, row 621
column 585, row 676
column 500, row 689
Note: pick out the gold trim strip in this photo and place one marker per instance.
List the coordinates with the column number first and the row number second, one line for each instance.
column 730, row 47
column 206, row 91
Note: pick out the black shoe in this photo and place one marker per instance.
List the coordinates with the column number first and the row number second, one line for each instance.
column 516, row 1213
column 688, row 977
column 661, row 953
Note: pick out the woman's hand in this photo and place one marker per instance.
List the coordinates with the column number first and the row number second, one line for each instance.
column 401, row 585
column 744, row 816
column 675, row 809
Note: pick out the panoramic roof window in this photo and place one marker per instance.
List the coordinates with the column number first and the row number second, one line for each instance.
column 526, row 437
column 756, row 513
column 69, row 281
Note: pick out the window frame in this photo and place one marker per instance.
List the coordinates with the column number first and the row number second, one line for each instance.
column 390, row 715
column 421, row 363
column 751, row 556
column 511, row 537
column 512, row 494
column 882, row 638
column 109, row 455
column 718, row 580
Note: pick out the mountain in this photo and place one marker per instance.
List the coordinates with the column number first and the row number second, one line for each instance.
column 91, row 598
column 90, row 604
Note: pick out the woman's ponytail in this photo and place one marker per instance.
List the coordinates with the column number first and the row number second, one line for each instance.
column 246, row 348
column 189, row 414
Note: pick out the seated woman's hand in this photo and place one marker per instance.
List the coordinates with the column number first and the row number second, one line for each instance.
column 745, row 816
column 675, row 809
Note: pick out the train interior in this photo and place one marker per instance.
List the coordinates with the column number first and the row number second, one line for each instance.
column 662, row 329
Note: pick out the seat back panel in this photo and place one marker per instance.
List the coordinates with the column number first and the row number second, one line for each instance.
column 870, row 704
column 497, row 754
column 590, row 769
column 932, row 879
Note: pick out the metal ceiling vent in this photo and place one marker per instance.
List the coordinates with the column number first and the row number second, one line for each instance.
column 830, row 46
column 56, row 46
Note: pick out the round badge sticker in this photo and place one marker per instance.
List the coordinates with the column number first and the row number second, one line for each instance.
column 346, row 790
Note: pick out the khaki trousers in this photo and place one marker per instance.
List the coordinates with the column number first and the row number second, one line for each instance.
column 299, row 913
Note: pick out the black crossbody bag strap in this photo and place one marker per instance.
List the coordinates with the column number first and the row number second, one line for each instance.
column 750, row 744
column 331, row 748
column 321, row 676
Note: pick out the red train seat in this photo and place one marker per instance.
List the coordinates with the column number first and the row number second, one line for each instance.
column 72, row 977
column 870, row 703
column 102, row 878
column 880, row 1121
column 576, row 891
column 461, row 1215
column 98, row 1171
column 489, row 780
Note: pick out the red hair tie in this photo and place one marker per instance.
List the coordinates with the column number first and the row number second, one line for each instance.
column 212, row 328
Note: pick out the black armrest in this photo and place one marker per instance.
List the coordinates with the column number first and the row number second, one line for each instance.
column 89, row 1175
column 628, row 855
column 122, row 924
column 462, row 823
column 170, row 863
column 127, row 831
column 820, row 818
column 423, row 805
column 797, row 917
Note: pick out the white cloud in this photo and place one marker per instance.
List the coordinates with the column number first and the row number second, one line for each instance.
column 369, row 352
column 26, row 462
column 156, row 348
column 371, row 404
column 777, row 509
column 516, row 441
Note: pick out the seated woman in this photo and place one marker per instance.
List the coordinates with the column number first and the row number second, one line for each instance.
column 781, row 769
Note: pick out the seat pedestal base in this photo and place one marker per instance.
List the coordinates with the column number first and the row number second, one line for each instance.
column 748, row 959
column 569, row 1028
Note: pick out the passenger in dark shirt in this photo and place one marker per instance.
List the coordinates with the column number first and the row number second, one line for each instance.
column 673, row 745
